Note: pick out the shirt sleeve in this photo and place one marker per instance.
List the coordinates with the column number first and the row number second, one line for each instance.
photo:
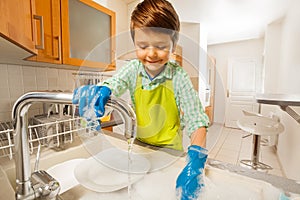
column 193, row 113
column 122, row 80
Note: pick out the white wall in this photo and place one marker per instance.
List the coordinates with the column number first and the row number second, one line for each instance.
column 221, row 52
column 290, row 58
column 286, row 81
column 272, row 56
column 189, row 15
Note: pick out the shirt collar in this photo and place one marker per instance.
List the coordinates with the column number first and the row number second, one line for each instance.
column 166, row 73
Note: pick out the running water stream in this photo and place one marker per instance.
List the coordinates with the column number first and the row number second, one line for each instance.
column 130, row 146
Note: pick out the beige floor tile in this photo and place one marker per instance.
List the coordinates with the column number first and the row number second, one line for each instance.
column 246, row 149
column 227, row 159
column 229, row 152
column 231, row 147
column 212, row 155
column 272, row 161
column 276, row 172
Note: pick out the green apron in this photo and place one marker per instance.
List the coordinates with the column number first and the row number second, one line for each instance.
column 157, row 116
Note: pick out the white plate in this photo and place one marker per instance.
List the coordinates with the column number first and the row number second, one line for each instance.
column 108, row 170
column 118, row 159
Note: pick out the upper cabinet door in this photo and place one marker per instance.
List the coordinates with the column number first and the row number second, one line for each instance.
column 16, row 24
column 88, row 31
column 48, row 25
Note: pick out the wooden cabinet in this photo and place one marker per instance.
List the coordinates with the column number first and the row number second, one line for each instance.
column 69, row 32
column 16, row 23
column 48, row 23
column 88, row 37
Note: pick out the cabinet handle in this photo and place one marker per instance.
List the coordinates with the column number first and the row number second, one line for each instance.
column 59, row 47
column 42, row 42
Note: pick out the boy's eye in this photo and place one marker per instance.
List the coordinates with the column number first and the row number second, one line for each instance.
column 142, row 46
column 161, row 47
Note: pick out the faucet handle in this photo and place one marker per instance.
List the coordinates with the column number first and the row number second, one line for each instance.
column 44, row 185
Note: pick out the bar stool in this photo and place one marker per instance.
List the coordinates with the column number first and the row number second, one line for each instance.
column 258, row 126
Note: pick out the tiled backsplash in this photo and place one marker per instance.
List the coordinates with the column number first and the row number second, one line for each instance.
column 15, row 80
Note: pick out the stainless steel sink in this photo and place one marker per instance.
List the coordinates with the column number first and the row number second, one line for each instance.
column 40, row 184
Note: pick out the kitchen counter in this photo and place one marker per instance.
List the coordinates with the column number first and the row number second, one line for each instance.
column 277, row 181
column 285, row 102
column 279, row 99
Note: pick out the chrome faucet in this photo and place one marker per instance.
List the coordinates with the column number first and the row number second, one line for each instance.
column 40, row 184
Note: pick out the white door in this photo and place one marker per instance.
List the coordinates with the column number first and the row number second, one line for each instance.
column 243, row 81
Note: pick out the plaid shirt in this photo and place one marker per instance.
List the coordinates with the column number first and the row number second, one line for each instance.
column 186, row 97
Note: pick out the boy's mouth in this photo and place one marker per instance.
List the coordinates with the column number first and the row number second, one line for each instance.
column 152, row 61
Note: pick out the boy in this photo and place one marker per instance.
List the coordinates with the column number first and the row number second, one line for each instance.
column 159, row 91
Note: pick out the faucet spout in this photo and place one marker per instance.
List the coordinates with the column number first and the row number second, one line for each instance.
column 127, row 114
column 25, row 187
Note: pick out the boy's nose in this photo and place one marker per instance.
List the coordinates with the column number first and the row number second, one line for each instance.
column 152, row 51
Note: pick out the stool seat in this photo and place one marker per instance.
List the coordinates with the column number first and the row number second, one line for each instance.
column 259, row 125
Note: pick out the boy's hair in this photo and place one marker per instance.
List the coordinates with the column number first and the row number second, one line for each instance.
column 159, row 15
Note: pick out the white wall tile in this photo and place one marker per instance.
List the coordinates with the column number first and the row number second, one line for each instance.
column 41, row 78
column 14, row 70
column 3, row 75
column 29, row 71
column 16, row 92
column 42, row 82
column 4, row 93
column 42, row 88
column 15, row 76
column 5, row 116
column 5, row 105
column 52, row 72
column 29, row 82
column 29, row 78
column 53, row 83
column 15, row 80
column 62, row 80
column 30, row 89
column 41, row 71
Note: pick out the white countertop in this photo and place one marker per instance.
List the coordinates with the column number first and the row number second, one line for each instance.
column 279, row 99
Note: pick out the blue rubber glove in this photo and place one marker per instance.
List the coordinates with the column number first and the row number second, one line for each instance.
column 91, row 100
column 190, row 180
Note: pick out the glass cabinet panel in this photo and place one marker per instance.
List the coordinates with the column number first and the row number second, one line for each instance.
column 89, row 32
column 88, row 29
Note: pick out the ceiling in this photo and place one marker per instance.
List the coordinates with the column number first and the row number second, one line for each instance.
column 231, row 20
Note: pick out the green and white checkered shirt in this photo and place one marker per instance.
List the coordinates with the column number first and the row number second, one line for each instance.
column 186, row 97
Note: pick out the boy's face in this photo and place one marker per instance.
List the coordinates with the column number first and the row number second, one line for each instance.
column 153, row 49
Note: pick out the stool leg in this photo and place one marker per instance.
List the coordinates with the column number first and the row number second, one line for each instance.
column 254, row 162
column 256, row 149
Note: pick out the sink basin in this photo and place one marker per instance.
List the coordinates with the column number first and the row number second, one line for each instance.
column 220, row 184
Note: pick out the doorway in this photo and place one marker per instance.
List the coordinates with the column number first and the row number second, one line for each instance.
column 244, row 79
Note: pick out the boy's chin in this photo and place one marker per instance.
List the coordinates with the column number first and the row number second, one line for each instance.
column 154, row 67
